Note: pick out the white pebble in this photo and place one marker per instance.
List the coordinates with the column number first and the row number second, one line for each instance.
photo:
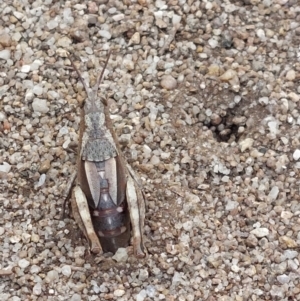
column 34, row 269
column 235, row 268
column 286, row 215
column 263, row 100
column 230, row 205
column 52, row 276
column 40, row 105
column 25, row 68
column 37, row 90
column 177, row 279
column 260, row 232
column 75, row 297
column 283, row 278
column 225, row 179
column 164, row 155
column 105, row 34
column 5, row 167
column 143, row 274
column 119, row 293
column 66, row 270
column 118, row 17
column 246, row 144
column 273, row 194
column 64, row 42
column 273, row 127
column 23, row 263
column 150, row 289
column 2, row 116
column 36, row 64
column 52, row 24
column 141, row 295
column 63, row 131
column 188, row 225
column 261, row 34
column 176, row 19
column 16, row 36
column 121, row 255
column 228, row 75
column 18, row 15
column 2, row 230
column 213, row 43
column 296, row 155
column 37, row 289
column 5, row 54
column 290, row 254
column 41, row 181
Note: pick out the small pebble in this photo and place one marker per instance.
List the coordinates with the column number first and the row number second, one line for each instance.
column 296, row 154
column 40, row 105
column 135, row 39
column 5, row 40
column 168, row 82
column 143, row 274
column 119, row 293
column 283, row 279
column 52, row 276
column 141, row 295
column 291, row 75
column 75, row 297
column 37, row 289
column 66, row 270
column 105, row 34
column 5, row 54
column 228, row 75
column 246, row 144
column 23, row 263
column 121, row 255
column 260, row 232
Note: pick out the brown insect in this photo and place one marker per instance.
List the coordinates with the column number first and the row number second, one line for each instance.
column 107, row 201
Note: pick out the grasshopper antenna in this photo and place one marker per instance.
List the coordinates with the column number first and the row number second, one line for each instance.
column 78, row 73
column 99, row 80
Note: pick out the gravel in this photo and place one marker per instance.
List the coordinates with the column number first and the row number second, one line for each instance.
column 204, row 96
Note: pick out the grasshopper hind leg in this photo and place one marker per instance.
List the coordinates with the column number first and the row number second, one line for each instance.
column 82, row 217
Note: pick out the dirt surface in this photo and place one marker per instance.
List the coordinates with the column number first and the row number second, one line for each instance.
column 204, row 97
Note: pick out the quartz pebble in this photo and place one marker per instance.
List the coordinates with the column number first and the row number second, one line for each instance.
column 273, row 193
column 246, row 144
column 23, row 263
column 52, row 276
column 76, row 297
column 260, row 232
column 119, row 293
column 141, row 295
column 296, row 154
column 5, row 167
column 291, row 75
column 168, row 82
column 66, row 270
column 40, row 105
column 2, row 230
column 121, row 255
column 5, row 54
column 37, row 289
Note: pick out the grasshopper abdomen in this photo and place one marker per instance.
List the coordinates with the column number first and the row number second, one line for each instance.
column 111, row 221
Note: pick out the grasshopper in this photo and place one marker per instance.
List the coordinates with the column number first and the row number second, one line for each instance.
column 107, row 199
